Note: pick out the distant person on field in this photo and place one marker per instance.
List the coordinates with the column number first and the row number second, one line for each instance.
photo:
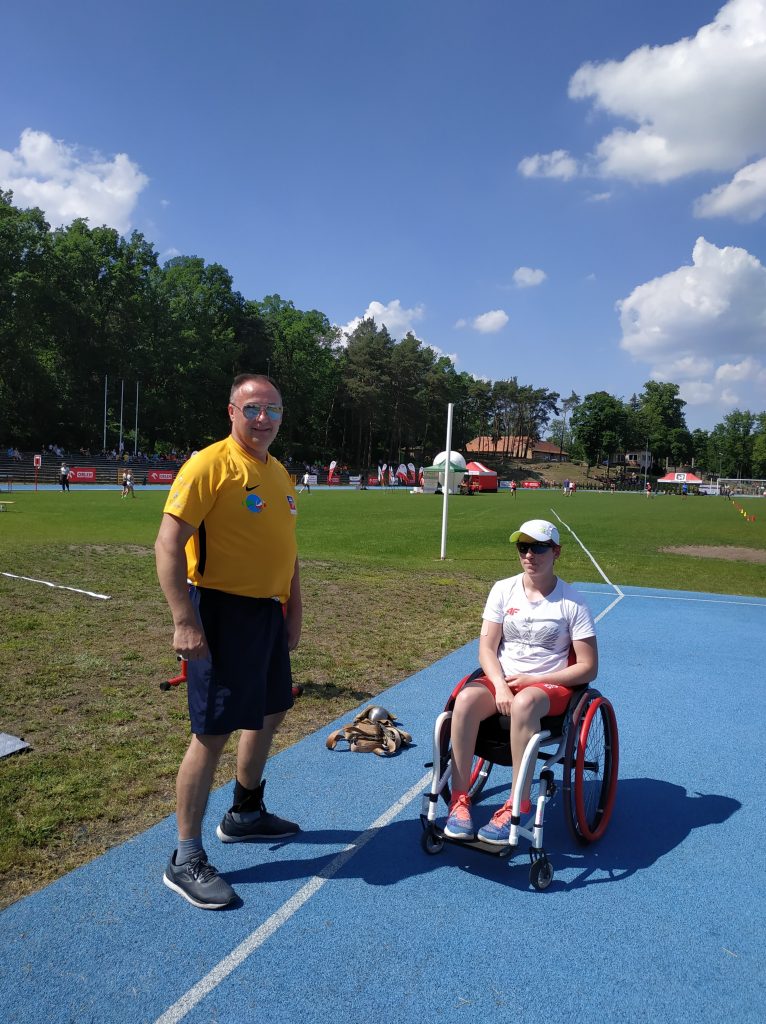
column 64, row 477
column 648, row 488
column 124, row 483
column 305, row 484
column 684, row 490
column 228, row 566
column 130, row 489
column 513, row 488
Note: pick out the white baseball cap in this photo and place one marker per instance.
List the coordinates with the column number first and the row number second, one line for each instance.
column 536, row 529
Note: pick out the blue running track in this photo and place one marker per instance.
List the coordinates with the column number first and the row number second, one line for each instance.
column 662, row 921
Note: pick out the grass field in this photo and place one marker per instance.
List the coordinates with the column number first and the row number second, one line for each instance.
column 79, row 677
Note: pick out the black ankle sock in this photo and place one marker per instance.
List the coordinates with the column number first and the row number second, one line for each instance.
column 247, row 800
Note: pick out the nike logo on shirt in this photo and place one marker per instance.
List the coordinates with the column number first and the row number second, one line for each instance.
column 251, row 488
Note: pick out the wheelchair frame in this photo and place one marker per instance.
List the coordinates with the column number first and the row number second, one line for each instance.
column 586, row 743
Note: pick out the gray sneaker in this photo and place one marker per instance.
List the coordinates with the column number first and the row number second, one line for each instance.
column 199, row 883
column 251, row 821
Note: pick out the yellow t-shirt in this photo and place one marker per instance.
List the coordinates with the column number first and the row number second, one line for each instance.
column 244, row 512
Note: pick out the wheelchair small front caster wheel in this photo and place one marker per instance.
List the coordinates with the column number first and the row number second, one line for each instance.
column 541, row 874
column 431, row 843
column 164, row 686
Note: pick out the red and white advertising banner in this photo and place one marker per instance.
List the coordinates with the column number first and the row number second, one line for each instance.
column 373, row 480
column 160, row 476
column 331, row 477
column 530, row 483
column 82, row 475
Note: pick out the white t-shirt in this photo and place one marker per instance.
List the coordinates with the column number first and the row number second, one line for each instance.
column 537, row 634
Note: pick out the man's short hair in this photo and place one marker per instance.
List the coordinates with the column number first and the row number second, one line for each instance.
column 243, row 378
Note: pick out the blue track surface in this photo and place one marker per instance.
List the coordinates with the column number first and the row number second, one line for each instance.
column 660, row 921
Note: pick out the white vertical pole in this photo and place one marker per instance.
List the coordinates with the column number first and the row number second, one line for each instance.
column 135, row 435
column 450, row 407
column 122, row 395
column 106, row 379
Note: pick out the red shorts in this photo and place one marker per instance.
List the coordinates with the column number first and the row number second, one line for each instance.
column 558, row 695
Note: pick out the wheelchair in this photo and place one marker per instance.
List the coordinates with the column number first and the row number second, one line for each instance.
column 583, row 740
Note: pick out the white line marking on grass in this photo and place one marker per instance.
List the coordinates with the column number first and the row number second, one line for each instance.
column 601, row 572
column 223, row 969
column 57, row 586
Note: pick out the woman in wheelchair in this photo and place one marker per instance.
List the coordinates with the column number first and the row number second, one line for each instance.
column 532, row 624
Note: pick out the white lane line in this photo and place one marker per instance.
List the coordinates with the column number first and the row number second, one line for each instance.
column 223, row 969
column 671, row 597
column 57, row 586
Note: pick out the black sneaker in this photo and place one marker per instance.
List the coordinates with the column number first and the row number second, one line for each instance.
column 253, row 822
column 199, row 883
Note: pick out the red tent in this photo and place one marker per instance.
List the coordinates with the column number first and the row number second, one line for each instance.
column 680, row 478
column 481, row 477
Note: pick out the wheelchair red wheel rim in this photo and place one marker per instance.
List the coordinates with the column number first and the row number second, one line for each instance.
column 596, row 766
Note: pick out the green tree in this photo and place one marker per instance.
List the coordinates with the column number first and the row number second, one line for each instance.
column 367, row 379
column 599, row 426
column 196, row 351
column 759, row 447
column 302, row 359
column 27, row 378
column 661, row 411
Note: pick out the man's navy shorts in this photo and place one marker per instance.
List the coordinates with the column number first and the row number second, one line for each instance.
column 248, row 673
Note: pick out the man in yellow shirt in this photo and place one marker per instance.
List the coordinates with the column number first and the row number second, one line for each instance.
column 227, row 564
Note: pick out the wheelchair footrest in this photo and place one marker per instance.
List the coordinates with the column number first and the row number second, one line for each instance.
column 491, row 849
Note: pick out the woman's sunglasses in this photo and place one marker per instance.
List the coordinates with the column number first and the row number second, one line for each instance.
column 537, row 549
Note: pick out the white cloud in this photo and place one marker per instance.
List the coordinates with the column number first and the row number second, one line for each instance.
column 696, row 392
column 728, row 372
column 743, row 198
column 460, row 324
column 698, row 103
column 526, row 277
column 685, row 368
column 66, row 184
column 491, row 322
column 558, row 164
column 703, row 326
column 397, row 320
column 598, row 197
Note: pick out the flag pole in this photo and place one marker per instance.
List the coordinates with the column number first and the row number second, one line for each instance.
column 122, row 398
column 106, row 378
column 135, row 435
column 447, row 466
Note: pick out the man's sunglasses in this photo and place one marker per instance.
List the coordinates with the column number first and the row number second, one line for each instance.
column 252, row 412
column 537, row 549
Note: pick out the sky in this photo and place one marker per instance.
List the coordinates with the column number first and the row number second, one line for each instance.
column 571, row 192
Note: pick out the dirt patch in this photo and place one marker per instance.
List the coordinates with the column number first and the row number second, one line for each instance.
column 728, row 554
